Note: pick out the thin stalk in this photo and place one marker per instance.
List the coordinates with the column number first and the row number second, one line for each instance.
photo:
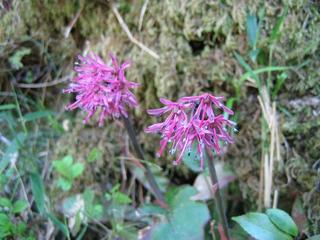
column 217, row 196
column 153, row 184
column 19, row 110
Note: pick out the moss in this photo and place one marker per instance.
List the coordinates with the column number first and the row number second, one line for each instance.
column 196, row 41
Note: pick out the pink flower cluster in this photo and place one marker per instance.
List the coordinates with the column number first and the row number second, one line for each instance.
column 103, row 88
column 195, row 119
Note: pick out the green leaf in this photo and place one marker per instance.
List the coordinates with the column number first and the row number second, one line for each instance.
column 7, row 107
column 94, row 211
column 259, row 226
column 21, row 228
column 64, row 184
column 97, row 211
column 38, row 192
column 19, row 206
column 115, row 188
column 276, row 32
column 191, row 159
column 253, row 54
column 186, row 220
column 250, row 71
column 5, row 202
column 5, row 226
column 252, row 30
column 61, row 226
column 64, row 166
column 12, row 150
column 4, row 219
column 279, row 82
column 68, row 160
column 151, row 209
column 88, row 196
column 77, row 169
column 95, row 154
column 185, row 223
column 283, row 221
column 178, row 196
column 36, row 115
column 121, row 198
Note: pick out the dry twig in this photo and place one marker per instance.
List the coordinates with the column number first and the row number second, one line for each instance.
column 45, row 84
column 129, row 34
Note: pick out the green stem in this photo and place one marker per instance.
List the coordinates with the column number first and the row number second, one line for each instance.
column 19, row 109
column 269, row 72
column 217, row 196
column 153, row 184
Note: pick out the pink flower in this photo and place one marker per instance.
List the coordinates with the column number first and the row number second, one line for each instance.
column 102, row 88
column 196, row 119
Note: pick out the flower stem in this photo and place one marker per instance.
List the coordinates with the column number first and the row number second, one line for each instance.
column 149, row 175
column 217, row 196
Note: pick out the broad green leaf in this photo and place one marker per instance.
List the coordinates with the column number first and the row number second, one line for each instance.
column 237, row 233
column 252, row 30
column 38, row 192
column 95, row 154
column 64, row 184
column 151, row 209
column 283, row 221
column 185, row 220
column 164, row 231
column 68, row 160
column 5, row 202
column 19, row 206
column 77, row 169
column 259, row 226
column 64, row 166
column 36, row 115
column 5, row 226
column 4, row 219
column 188, row 220
column 191, row 159
column 21, row 228
column 181, row 195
